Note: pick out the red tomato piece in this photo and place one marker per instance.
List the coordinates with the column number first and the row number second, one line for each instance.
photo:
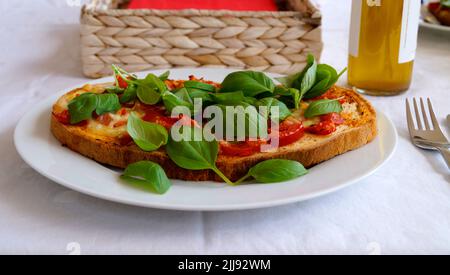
column 433, row 6
column 290, row 130
column 333, row 117
column 240, row 149
column 104, row 119
column 157, row 114
column 63, row 117
column 122, row 82
column 323, row 128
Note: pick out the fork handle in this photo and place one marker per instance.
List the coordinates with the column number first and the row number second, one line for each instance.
column 446, row 154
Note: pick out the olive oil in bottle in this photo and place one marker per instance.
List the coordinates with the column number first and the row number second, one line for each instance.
column 383, row 41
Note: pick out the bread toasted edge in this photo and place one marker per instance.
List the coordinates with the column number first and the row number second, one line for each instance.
column 120, row 156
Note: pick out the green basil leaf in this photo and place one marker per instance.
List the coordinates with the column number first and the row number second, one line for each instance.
column 147, row 175
column 171, row 101
column 322, row 107
column 129, row 94
column 150, row 89
column 289, row 96
column 296, row 97
column 164, row 76
column 81, row 107
column 228, row 98
column 148, row 95
column 199, row 85
column 445, row 3
column 324, row 77
column 250, row 82
column 197, row 93
column 250, row 100
column 183, row 94
column 277, row 170
column 294, row 81
column 193, row 155
column 309, row 78
column 288, row 81
column 107, row 103
column 283, row 111
column 148, row 136
column 115, row 90
column 281, row 90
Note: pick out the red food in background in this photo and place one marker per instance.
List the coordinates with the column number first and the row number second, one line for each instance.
column 237, row 5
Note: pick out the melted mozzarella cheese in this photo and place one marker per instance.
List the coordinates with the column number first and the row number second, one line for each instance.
column 350, row 110
column 109, row 130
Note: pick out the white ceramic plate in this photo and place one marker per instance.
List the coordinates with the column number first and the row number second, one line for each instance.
column 43, row 152
column 434, row 26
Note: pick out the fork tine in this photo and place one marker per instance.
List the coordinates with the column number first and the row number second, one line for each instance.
column 433, row 116
column 409, row 117
column 424, row 114
column 416, row 110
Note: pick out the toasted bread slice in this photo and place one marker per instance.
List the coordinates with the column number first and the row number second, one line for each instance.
column 358, row 130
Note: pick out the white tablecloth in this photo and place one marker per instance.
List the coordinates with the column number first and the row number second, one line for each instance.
column 402, row 208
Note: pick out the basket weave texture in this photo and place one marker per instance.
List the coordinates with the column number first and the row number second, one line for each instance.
column 141, row 40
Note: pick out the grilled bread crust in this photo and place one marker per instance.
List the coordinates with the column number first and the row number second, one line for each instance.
column 310, row 150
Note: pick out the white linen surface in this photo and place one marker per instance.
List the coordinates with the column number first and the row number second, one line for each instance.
column 402, row 208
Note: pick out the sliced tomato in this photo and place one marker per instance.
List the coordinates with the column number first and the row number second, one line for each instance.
column 104, row 119
column 122, row 82
column 433, row 6
column 322, row 128
column 333, row 117
column 63, row 117
column 157, row 114
column 122, row 111
column 289, row 131
column 240, row 149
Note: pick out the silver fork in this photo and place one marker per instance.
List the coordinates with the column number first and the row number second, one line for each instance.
column 425, row 137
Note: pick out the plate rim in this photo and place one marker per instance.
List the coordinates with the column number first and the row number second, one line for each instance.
column 200, row 207
column 436, row 27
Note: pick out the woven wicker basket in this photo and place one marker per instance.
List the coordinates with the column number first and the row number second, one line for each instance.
column 153, row 39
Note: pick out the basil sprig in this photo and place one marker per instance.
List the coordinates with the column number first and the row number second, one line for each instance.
column 322, row 107
column 275, row 170
column 147, row 175
column 149, row 90
column 250, row 82
column 195, row 155
column 150, row 176
column 202, row 154
column 82, row 106
column 148, row 136
column 314, row 80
